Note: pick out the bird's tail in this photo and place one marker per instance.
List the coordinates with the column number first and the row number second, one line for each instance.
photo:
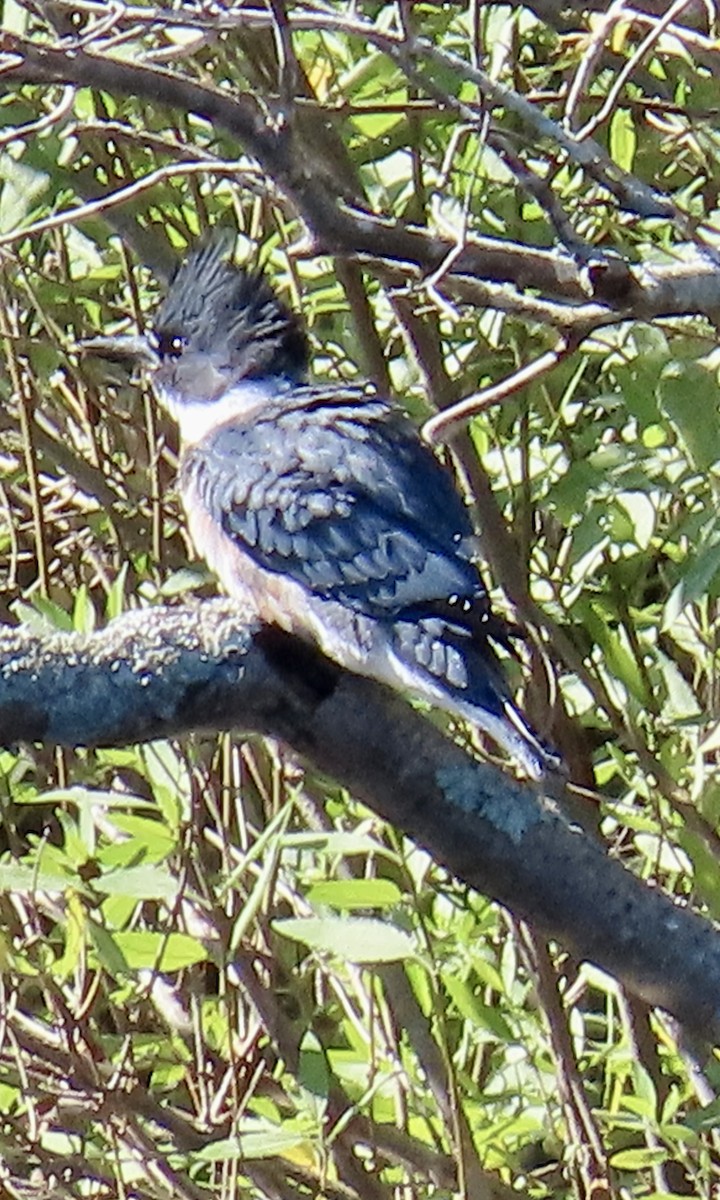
column 464, row 676
column 521, row 741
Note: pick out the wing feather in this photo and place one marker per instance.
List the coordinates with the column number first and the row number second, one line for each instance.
column 343, row 498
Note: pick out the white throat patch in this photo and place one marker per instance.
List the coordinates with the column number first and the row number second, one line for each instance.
column 198, row 418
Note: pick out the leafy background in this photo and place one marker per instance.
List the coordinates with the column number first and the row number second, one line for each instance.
column 220, row 974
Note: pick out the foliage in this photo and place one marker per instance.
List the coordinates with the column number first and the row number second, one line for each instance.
column 220, row 976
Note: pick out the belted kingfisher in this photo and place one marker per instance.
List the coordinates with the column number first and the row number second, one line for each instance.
column 320, row 506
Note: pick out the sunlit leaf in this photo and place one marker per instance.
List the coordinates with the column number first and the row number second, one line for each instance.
column 159, row 951
column 355, row 893
column 689, row 395
column 358, row 939
column 256, row 1139
column 623, row 138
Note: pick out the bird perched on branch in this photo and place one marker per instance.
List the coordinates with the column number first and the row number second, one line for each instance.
column 319, row 505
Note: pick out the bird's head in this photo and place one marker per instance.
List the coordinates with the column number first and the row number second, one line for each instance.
column 219, row 327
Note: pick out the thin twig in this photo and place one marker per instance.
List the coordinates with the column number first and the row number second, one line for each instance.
column 440, row 428
column 542, row 193
column 21, row 133
column 71, row 216
column 589, row 1164
column 591, row 55
column 288, row 66
column 634, row 61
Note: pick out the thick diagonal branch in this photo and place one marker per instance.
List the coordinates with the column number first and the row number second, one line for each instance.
column 164, row 672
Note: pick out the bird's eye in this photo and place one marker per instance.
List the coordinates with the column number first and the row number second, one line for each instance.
column 169, row 344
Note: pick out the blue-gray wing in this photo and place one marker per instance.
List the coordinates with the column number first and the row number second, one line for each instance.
column 339, row 494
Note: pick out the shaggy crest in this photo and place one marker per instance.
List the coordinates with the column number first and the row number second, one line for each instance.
column 232, row 314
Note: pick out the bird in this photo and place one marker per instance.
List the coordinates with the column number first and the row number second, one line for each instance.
column 319, row 505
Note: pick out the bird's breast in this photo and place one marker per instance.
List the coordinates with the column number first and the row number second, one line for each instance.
column 352, row 639
column 275, row 598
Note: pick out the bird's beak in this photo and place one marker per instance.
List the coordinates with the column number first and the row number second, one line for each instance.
column 127, row 349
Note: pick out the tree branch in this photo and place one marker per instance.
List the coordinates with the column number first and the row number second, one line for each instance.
column 688, row 286
column 165, row 672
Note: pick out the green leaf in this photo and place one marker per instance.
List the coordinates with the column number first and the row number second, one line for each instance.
column 256, row 1139
column 706, row 869
column 570, row 494
column 153, row 839
column 313, row 1070
column 618, row 657
column 168, row 773
column 688, row 394
column 639, row 1159
column 340, row 842
column 109, row 954
column 697, row 575
column 25, row 880
column 84, row 617
column 87, row 798
column 374, row 125
column 357, row 939
column 74, row 929
column 623, row 138
column 355, row 893
column 22, row 186
column 660, row 853
column 115, row 602
column 43, row 616
column 179, row 583
column 141, row 883
column 482, row 1015
column 160, row 951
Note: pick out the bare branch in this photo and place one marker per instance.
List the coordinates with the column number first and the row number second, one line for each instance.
column 506, row 269
column 164, row 672
column 440, row 427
